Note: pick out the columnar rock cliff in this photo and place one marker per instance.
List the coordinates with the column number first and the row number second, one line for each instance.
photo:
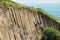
column 18, row 23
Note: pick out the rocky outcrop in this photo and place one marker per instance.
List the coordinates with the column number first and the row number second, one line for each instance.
column 48, row 22
column 22, row 23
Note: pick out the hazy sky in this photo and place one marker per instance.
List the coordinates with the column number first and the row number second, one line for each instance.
column 38, row 1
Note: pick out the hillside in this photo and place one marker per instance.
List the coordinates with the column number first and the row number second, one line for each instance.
column 19, row 22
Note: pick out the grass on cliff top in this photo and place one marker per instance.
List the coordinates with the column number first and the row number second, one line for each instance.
column 49, row 15
column 14, row 4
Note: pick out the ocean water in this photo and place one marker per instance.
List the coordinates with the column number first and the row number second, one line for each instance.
column 53, row 9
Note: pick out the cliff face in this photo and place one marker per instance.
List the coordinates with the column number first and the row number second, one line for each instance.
column 22, row 23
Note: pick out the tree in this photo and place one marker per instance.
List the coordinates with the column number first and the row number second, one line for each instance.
column 50, row 33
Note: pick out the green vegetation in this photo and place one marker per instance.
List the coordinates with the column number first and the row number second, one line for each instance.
column 50, row 33
column 49, row 15
column 4, row 0
column 14, row 4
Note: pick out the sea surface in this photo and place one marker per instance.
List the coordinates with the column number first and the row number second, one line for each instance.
column 53, row 9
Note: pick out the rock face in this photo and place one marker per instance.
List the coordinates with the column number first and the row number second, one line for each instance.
column 23, row 24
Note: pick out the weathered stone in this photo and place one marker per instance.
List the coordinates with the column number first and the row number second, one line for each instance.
column 22, row 24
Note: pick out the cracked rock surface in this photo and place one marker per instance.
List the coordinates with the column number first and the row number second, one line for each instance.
column 22, row 24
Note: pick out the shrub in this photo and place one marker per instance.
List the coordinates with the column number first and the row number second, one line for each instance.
column 50, row 33
column 44, row 37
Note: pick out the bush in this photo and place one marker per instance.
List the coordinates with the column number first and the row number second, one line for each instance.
column 44, row 37
column 50, row 33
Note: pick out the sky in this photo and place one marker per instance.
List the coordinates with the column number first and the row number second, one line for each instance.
column 38, row 1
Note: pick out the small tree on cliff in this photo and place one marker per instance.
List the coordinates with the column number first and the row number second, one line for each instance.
column 50, row 33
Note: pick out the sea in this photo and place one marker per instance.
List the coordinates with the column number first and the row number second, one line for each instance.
column 53, row 9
